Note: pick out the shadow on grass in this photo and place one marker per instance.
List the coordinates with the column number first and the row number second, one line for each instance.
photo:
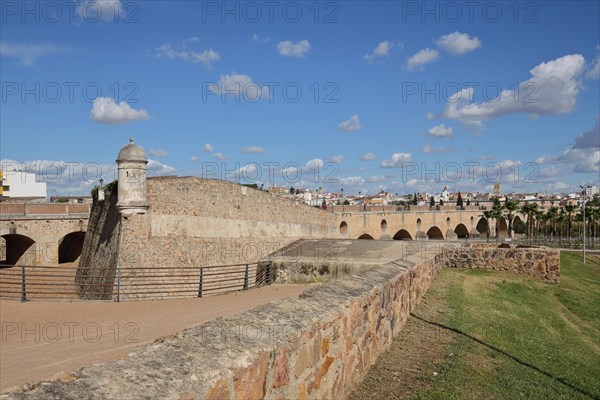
column 504, row 353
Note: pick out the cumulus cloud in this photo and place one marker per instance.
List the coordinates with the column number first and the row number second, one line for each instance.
column 156, row 168
column 29, row 54
column 589, row 139
column 441, row 131
column 337, row 159
column 253, row 149
column 180, row 51
column 397, row 160
column 422, row 57
column 158, row 153
column 352, row 181
column 208, row 148
column 458, row 43
column 377, row 179
column 367, row 157
column 551, row 90
column 382, row 50
column 258, row 39
column 194, row 159
column 106, row 111
column 593, row 71
column 315, row 164
column 291, row 49
column 350, row 125
column 220, row 156
column 240, row 85
column 107, row 10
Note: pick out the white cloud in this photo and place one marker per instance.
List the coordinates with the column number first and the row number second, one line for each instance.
column 158, row 153
column 315, row 164
column 593, row 71
column 350, row 125
column 352, row 181
column 28, row 54
column 258, row 39
column 367, row 157
column 426, row 148
column 107, row 10
column 589, row 139
column 337, row 159
column 208, row 148
column 397, row 160
column 220, row 156
column 240, row 85
column 552, row 90
column 458, row 43
column 441, row 131
column 422, row 57
column 194, row 159
column 207, row 57
column 377, row 179
column 382, row 50
column 106, row 111
column 291, row 49
column 156, row 168
column 253, row 149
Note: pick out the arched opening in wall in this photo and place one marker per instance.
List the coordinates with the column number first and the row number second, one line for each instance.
column 418, row 224
column 519, row 226
column 461, row 231
column 343, row 228
column 19, row 250
column 383, row 225
column 70, row 246
column 366, row 236
column 503, row 231
column 482, row 226
column 402, row 234
column 435, row 233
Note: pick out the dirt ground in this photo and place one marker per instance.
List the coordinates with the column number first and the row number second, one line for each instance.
column 42, row 340
column 411, row 358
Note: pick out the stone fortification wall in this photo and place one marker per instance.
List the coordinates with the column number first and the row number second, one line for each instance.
column 541, row 263
column 315, row 346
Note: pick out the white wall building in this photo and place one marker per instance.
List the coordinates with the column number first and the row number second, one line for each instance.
column 22, row 184
column 592, row 190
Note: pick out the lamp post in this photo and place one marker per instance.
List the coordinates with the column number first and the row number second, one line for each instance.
column 342, row 200
column 583, row 222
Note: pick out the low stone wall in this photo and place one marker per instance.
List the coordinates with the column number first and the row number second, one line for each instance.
column 541, row 263
column 315, row 346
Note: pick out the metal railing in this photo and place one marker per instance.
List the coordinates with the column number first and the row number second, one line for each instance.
column 28, row 282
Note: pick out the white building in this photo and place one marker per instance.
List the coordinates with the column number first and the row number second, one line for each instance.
column 592, row 190
column 22, row 184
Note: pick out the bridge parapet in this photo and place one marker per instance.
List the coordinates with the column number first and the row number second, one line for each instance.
column 9, row 211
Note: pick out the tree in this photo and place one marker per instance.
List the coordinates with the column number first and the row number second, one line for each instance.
column 496, row 201
column 551, row 217
column 431, row 201
column 497, row 212
column 459, row 200
column 569, row 214
column 414, row 200
column 292, row 190
column 441, row 202
column 324, row 205
column 509, row 208
column 529, row 209
column 468, row 202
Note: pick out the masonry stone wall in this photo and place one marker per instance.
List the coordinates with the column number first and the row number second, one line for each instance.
column 541, row 263
column 312, row 347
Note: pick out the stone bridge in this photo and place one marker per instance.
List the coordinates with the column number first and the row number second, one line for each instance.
column 421, row 223
column 42, row 234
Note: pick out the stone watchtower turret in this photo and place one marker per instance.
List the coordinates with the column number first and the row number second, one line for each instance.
column 132, row 195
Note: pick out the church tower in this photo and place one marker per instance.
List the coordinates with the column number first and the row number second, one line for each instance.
column 132, row 194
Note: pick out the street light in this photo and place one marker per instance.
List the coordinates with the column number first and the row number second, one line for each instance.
column 583, row 192
column 342, row 200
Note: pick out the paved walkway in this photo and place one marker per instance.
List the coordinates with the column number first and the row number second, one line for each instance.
column 45, row 340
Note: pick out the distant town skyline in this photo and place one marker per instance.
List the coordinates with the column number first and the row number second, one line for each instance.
column 365, row 96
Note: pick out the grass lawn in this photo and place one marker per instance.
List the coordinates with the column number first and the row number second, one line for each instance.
column 504, row 336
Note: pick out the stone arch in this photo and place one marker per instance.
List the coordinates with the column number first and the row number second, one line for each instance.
column 344, row 228
column 366, row 236
column 482, row 225
column 435, row 233
column 503, row 227
column 384, row 225
column 70, row 247
column 20, row 249
column 461, row 231
column 402, row 234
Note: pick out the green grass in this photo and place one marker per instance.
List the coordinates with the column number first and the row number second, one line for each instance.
column 539, row 340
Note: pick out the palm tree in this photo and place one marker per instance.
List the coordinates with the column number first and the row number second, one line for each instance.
column 529, row 209
column 569, row 211
column 497, row 212
column 509, row 208
column 488, row 214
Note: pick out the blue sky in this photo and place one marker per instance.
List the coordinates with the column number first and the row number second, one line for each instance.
column 389, row 90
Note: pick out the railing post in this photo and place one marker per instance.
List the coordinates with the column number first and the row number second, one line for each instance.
column 23, row 288
column 201, row 282
column 270, row 273
column 246, row 278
